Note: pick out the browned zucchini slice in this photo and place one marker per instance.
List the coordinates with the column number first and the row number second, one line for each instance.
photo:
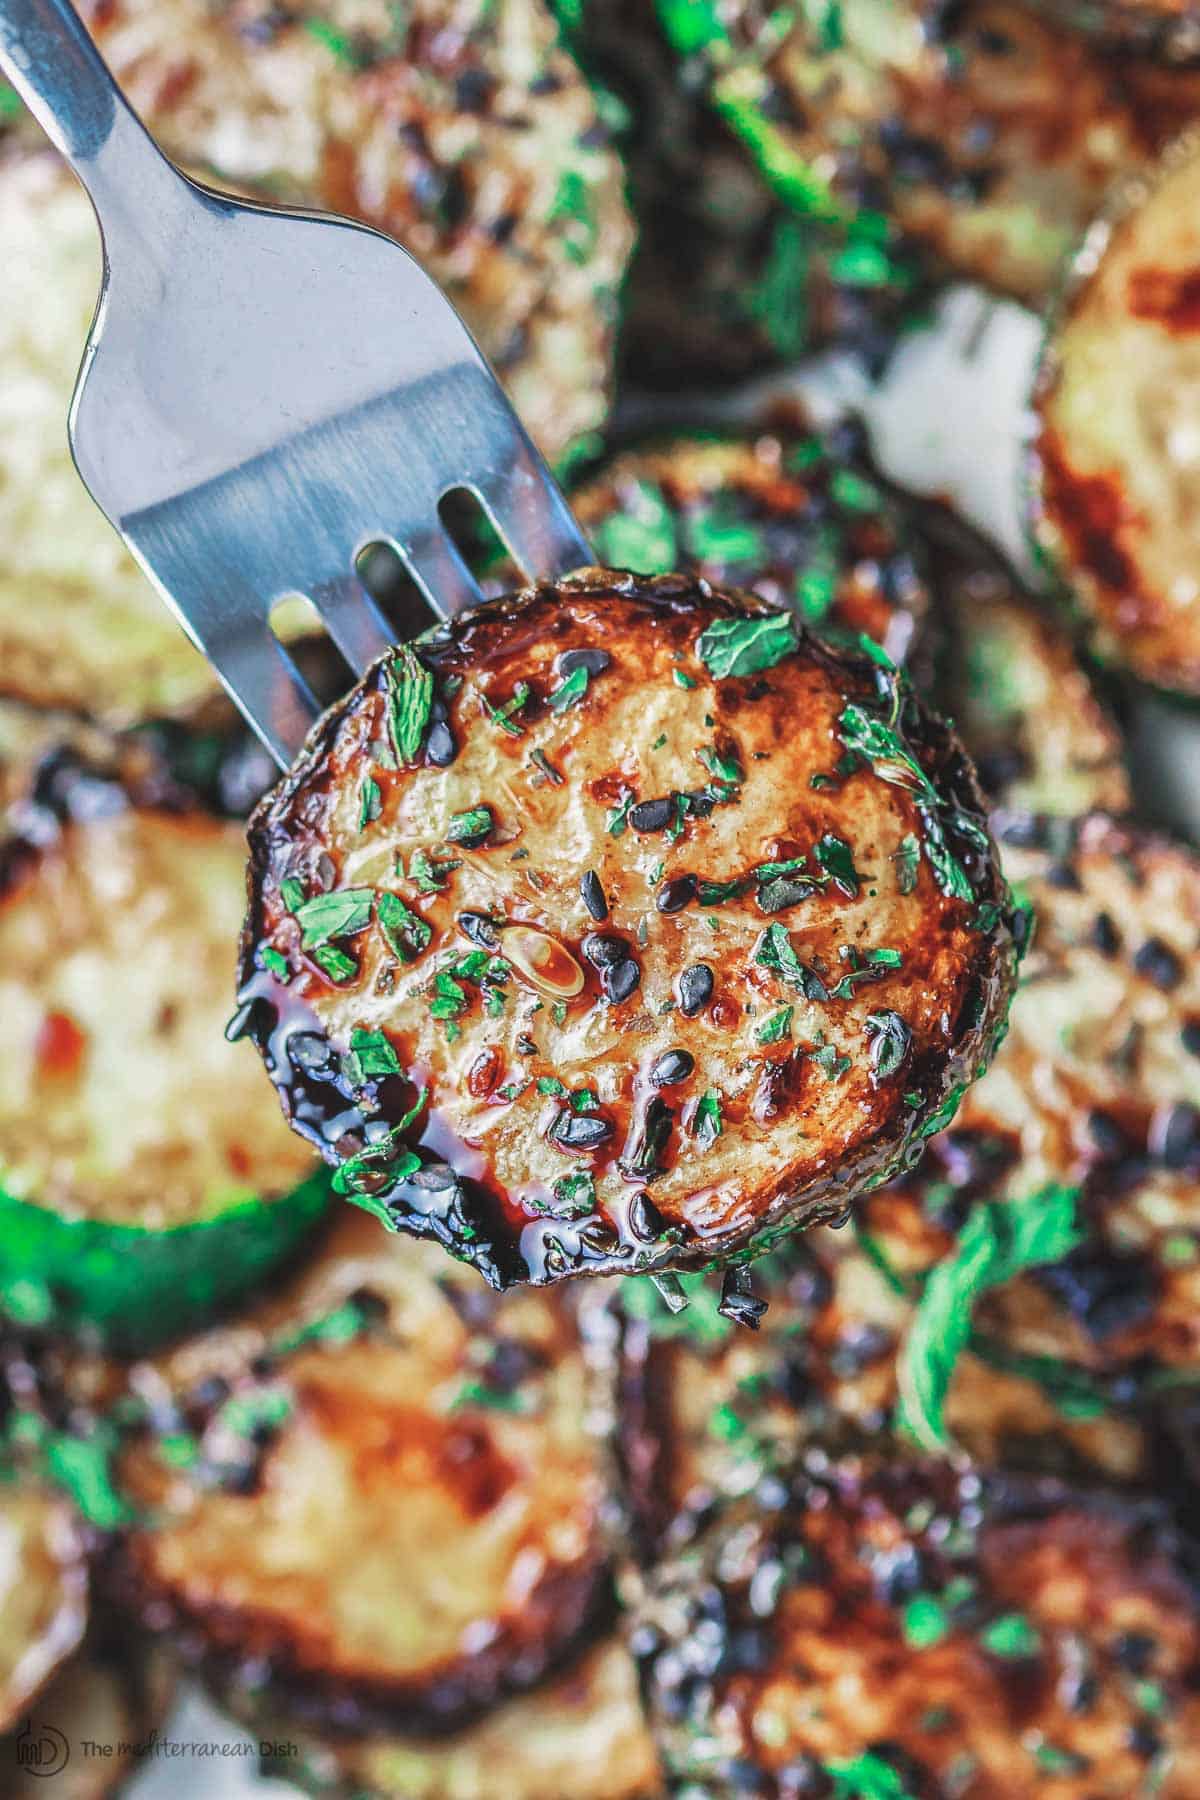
column 145, row 1177
column 782, row 513
column 1113, row 461
column 43, row 1593
column 581, row 1733
column 983, row 131
column 660, row 925
column 911, row 1630
column 1041, row 738
column 375, row 1495
column 1088, row 1357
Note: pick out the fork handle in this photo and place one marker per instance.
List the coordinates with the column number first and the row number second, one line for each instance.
column 46, row 53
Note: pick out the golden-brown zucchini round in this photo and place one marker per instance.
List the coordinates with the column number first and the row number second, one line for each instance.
column 580, row 1733
column 983, row 131
column 1114, row 455
column 659, row 924
column 145, row 1176
column 872, row 1627
column 43, row 1593
column 374, row 1496
column 781, row 513
column 1041, row 738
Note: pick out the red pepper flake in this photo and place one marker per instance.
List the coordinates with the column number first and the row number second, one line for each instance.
column 59, row 1046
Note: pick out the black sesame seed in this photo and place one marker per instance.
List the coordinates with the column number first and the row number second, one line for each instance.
column 594, row 661
column 1106, row 1134
column 1191, row 1037
column 580, row 1131
column 1176, row 1140
column 1159, row 964
column 644, row 1159
column 695, row 989
column 621, row 980
column 592, row 895
column 1134, row 1652
column 652, row 815
column 677, row 893
column 603, row 950
column 1144, row 1740
column 1105, row 936
column 440, row 747
column 672, row 1066
column 645, row 1221
column 739, row 1303
column 479, row 928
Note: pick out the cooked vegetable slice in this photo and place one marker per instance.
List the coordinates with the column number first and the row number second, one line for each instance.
column 111, row 1695
column 899, row 1629
column 581, row 1733
column 43, row 1593
column 1113, row 474
column 377, row 1491
column 1168, row 29
column 144, row 1176
column 779, row 513
column 464, row 130
column 668, row 792
column 1041, row 738
column 983, row 131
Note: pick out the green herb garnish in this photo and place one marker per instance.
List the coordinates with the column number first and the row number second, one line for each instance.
column 404, row 931
column 410, row 699
column 336, row 964
column 707, row 1124
column 890, row 1042
column 370, row 1054
column 342, row 913
column 747, row 646
column 386, row 1163
column 999, row 1241
column 429, row 874
column 503, row 715
column 470, row 828
column 776, row 952
column 370, row 802
column 837, row 859
column 778, row 1026
column 568, row 691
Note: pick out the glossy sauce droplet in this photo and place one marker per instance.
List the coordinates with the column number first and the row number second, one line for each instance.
column 542, row 961
column 59, row 1046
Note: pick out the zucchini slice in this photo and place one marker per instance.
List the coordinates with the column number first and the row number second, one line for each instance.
column 1041, row 738
column 374, row 1498
column 780, row 513
column 983, row 131
column 1113, row 476
column 1088, row 1356
column 581, row 1733
column 658, row 851
column 108, row 1694
column 43, row 1594
column 145, row 1176
column 467, row 132
column 874, row 1627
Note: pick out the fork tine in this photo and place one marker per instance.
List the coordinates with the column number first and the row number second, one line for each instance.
column 528, row 510
column 265, row 685
column 353, row 620
column 436, row 565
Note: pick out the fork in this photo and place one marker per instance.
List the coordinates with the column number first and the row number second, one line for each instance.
column 264, row 393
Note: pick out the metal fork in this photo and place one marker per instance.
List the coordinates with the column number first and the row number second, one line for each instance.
column 264, row 393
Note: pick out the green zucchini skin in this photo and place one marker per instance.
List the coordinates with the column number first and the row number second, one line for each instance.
column 133, row 1289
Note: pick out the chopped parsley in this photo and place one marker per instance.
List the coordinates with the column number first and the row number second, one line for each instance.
column 381, row 1164
column 574, row 1195
column 908, row 861
column 370, row 1054
column 1011, row 1635
column 370, row 802
column 410, row 700
column 568, row 691
column 470, row 828
column 776, row 952
column 777, row 1027
column 618, row 818
column 428, row 874
column 503, row 715
column 682, row 679
column 707, row 1124
column 747, row 646
column 837, row 859
column 335, row 963
column 276, row 962
column 999, row 1240
column 405, row 932
column 890, row 1041
column 872, row 967
column 831, row 1064
column 342, row 913
column 867, row 1777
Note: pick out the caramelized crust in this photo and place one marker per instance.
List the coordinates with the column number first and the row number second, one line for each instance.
column 952, row 1636
column 375, row 1495
column 1113, row 464
column 784, row 992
